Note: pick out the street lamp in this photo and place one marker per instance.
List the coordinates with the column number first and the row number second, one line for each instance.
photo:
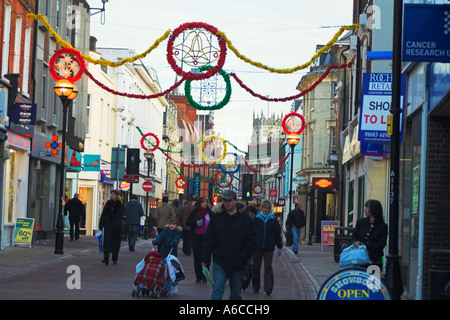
column 149, row 155
column 66, row 91
column 292, row 140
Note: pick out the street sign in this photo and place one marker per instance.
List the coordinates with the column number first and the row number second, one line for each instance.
column 131, row 178
column 147, row 186
column 426, row 33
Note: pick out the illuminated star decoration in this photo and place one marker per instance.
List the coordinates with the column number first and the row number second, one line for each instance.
column 54, row 145
column 67, row 63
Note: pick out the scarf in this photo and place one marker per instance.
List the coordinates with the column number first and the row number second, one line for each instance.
column 201, row 213
column 264, row 217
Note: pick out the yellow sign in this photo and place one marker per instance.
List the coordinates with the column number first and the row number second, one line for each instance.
column 23, row 232
column 389, row 129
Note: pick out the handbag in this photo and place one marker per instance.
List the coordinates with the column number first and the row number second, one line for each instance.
column 352, row 256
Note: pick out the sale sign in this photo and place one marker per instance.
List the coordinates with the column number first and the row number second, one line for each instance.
column 376, row 98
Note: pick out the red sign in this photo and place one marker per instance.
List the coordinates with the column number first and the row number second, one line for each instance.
column 131, row 178
column 273, row 192
column 147, row 186
column 323, row 183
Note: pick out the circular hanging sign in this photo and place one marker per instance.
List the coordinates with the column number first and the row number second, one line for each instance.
column 257, row 189
column 67, row 63
column 216, row 179
column 144, row 138
column 191, row 52
column 181, row 182
column 293, row 123
column 147, row 186
column 355, row 284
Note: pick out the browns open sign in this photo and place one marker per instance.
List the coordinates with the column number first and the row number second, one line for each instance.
column 323, row 184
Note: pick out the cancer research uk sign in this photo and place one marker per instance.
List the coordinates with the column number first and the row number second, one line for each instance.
column 426, row 33
column 376, row 98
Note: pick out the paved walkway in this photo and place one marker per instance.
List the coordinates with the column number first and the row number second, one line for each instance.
column 297, row 276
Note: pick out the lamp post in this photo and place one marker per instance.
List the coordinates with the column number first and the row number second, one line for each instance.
column 66, row 91
column 292, row 140
column 149, row 155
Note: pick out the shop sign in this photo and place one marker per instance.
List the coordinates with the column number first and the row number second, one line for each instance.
column 24, row 114
column 355, row 284
column 91, row 162
column 323, row 183
column 426, row 33
column 125, row 186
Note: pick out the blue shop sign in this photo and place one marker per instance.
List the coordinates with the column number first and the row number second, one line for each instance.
column 354, row 284
column 91, row 162
column 426, row 33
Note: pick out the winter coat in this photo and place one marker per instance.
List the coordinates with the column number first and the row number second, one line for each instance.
column 296, row 218
column 168, row 240
column 76, row 209
column 111, row 223
column 163, row 215
column 183, row 215
column 376, row 241
column 268, row 232
column 133, row 212
column 230, row 239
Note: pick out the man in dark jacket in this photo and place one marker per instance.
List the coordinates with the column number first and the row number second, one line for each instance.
column 132, row 215
column 230, row 239
column 77, row 211
column 295, row 221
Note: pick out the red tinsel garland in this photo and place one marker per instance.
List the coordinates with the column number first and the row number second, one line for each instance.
column 130, row 95
column 301, row 94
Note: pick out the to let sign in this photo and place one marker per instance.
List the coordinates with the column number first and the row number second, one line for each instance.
column 376, row 99
column 426, row 33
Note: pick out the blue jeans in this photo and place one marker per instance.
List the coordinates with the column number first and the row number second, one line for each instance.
column 296, row 233
column 220, row 276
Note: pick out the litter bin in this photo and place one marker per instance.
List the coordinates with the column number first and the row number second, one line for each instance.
column 440, row 274
column 342, row 240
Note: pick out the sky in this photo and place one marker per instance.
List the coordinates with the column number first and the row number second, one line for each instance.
column 280, row 34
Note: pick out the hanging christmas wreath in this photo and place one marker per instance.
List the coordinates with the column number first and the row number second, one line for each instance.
column 203, row 146
column 216, row 179
column 195, row 55
column 144, row 137
column 67, row 63
column 181, row 182
column 257, row 189
column 221, row 104
column 293, row 123
column 237, row 168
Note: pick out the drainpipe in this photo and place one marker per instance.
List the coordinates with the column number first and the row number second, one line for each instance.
column 423, row 172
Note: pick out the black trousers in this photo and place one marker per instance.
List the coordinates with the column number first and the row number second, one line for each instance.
column 197, row 243
column 74, row 224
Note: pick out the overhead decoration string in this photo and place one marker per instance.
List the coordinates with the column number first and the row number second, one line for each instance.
column 221, row 38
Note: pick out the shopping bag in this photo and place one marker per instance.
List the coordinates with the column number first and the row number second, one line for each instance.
column 174, row 270
column 352, row 256
column 99, row 236
column 140, row 266
column 208, row 276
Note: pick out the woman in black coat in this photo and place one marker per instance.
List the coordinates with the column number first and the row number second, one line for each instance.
column 111, row 223
column 372, row 231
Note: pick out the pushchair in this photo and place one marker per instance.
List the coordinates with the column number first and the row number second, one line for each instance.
column 149, row 279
